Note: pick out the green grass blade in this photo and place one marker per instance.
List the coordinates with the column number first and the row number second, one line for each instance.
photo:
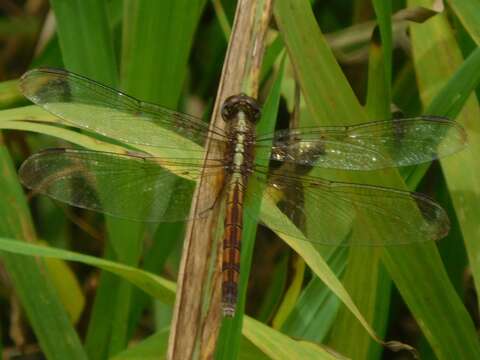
column 273, row 295
column 222, row 18
column 383, row 11
column 85, row 40
column 265, row 338
column 10, row 95
column 87, row 48
column 279, row 346
column 328, row 97
column 154, row 261
column 152, row 284
column 33, row 286
column 405, row 93
column 365, row 278
column 156, row 42
column 416, row 269
column 469, row 14
column 364, row 281
column 317, row 307
column 272, row 217
column 154, row 347
column 436, row 68
column 292, row 294
column 48, row 318
column 452, row 97
column 320, row 96
column 449, row 102
column 157, row 37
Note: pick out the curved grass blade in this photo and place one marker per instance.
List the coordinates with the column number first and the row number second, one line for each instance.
column 270, row 340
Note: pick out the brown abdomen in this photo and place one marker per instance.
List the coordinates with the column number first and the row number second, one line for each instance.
column 231, row 247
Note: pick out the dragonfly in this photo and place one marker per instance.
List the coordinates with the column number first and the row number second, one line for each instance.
column 165, row 149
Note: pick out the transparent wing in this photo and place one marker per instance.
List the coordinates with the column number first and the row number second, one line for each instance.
column 101, row 109
column 129, row 187
column 369, row 146
column 335, row 213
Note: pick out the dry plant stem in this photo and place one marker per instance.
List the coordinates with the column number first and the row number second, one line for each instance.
column 197, row 313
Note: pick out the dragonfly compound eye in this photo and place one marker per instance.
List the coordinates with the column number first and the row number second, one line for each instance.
column 241, row 102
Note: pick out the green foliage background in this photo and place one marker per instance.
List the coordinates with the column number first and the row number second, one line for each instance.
column 170, row 53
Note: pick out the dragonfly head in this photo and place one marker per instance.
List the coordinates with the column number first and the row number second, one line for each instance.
column 241, row 102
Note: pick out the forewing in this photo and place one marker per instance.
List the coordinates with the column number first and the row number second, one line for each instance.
column 369, row 146
column 106, row 111
column 129, row 187
column 335, row 213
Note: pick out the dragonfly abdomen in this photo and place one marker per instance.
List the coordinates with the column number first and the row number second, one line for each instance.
column 231, row 245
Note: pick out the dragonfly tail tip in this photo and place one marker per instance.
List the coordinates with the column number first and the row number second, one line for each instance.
column 228, row 310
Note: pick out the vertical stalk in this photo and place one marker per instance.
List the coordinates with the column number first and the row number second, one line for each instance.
column 197, row 314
